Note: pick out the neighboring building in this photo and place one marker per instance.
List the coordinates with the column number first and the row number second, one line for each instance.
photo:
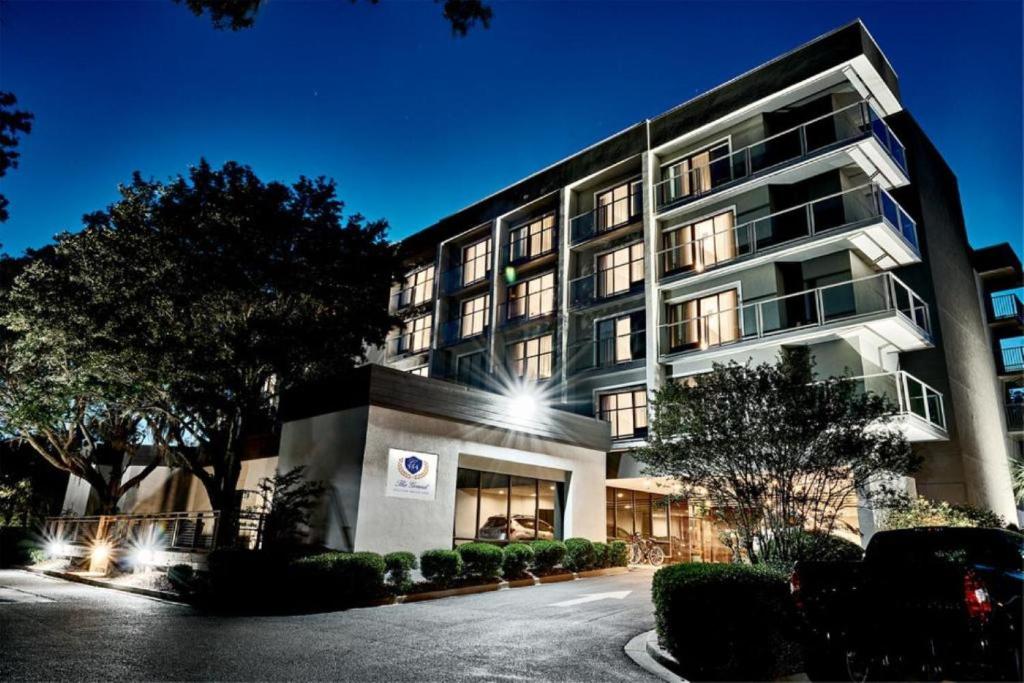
column 797, row 204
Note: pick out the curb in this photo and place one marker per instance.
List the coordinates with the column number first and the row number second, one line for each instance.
column 162, row 596
column 645, row 652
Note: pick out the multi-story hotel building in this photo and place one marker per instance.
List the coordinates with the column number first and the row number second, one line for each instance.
column 797, row 204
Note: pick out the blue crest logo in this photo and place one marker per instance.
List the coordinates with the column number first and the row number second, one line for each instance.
column 413, row 464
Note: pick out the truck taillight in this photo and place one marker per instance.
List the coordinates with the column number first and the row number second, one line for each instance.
column 976, row 597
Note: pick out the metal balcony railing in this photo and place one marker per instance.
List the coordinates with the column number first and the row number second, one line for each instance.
column 865, row 203
column 909, row 394
column 1013, row 359
column 1007, row 306
column 843, row 125
column 1015, row 416
column 607, row 217
column 618, row 351
column 843, row 301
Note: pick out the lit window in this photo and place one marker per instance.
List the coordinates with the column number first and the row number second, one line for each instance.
column 476, row 262
column 707, row 321
column 532, row 239
column 531, row 358
column 699, row 245
column 619, row 270
column 695, row 173
column 421, row 285
column 532, row 298
column 626, row 411
column 621, row 339
column 420, row 330
column 422, row 371
column 475, row 314
column 618, row 205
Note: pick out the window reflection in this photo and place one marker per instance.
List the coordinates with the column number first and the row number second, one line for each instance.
column 502, row 508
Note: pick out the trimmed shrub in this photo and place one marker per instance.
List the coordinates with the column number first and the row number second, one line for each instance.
column 181, row 577
column 236, row 575
column 579, row 554
column 339, row 579
column 440, row 566
column 399, row 566
column 799, row 546
column 618, row 554
column 516, row 557
column 747, row 625
column 601, row 556
column 546, row 555
column 480, row 560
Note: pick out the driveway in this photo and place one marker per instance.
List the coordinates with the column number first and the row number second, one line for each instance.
column 53, row 629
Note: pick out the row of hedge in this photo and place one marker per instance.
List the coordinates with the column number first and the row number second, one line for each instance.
column 338, row 579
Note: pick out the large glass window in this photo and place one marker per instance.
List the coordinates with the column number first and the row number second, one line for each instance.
column 621, row 339
column 697, row 246
column 471, row 370
column 476, row 261
column 501, row 508
column 532, row 239
column 618, row 271
column 422, row 285
column 419, row 332
column 695, row 173
column 475, row 313
column 626, row 411
column 618, row 205
column 706, row 321
column 531, row 358
column 532, row 298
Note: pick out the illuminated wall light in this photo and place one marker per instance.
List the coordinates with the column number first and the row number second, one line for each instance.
column 100, row 552
column 55, row 549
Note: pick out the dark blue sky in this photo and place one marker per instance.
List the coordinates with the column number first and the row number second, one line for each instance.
column 415, row 124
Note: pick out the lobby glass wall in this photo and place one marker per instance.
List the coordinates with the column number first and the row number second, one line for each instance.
column 683, row 533
column 501, row 508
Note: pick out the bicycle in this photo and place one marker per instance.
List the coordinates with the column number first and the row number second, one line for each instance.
column 645, row 550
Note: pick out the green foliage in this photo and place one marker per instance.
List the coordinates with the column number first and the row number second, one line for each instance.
column 399, row 567
column 797, row 545
column 601, row 557
column 618, row 554
column 516, row 558
column 182, row 577
column 1017, row 478
column 287, row 500
column 902, row 512
column 546, row 556
column 241, row 579
column 441, row 566
column 480, row 560
column 579, row 554
column 746, row 626
column 338, row 579
column 14, row 123
column 773, row 447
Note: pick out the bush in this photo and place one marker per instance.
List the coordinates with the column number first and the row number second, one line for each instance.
column 399, row 566
column 516, row 557
column 181, row 576
column 601, row 556
column 803, row 546
column 746, row 630
column 579, row 554
column 905, row 513
column 236, row 575
column 440, row 566
column 546, row 555
column 618, row 554
column 480, row 560
column 339, row 579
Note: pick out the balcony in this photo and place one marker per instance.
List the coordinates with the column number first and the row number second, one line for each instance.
column 528, row 247
column 598, row 288
column 1015, row 417
column 921, row 409
column 407, row 344
column 1012, row 358
column 412, row 296
column 1006, row 307
column 607, row 218
column 881, row 304
column 619, row 352
column 866, row 218
column 856, row 123
column 450, row 333
column 472, row 273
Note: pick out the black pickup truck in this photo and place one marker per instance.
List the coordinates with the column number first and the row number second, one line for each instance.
column 925, row 604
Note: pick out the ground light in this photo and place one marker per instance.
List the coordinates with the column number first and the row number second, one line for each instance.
column 56, row 548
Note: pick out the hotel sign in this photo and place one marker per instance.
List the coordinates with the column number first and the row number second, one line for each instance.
column 411, row 474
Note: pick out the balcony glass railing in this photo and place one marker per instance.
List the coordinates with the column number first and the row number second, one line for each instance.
column 413, row 295
column 607, row 352
column 909, row 394
column 455, row 331
column 842, row 125
column 526, row 247
column 866, row 203
column 607, row 217
column 471, row 272
column 1007, row 306
column 1015, row 416
column 1013, row 359
column 601, row 286
column 407, row 343
column 839, row 302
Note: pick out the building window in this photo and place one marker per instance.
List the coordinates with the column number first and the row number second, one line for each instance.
column 476, row 262
column 532, row 298
column 618, row 205
column 533, row 239
column 626, row 411
column 621, row 339
column 475, row 314
column 699, row 245
column 471, row 370
column 531, row 358
column 421, row 371
column 618, row 271
column 419, row 334
column 696, row 173
column 706, row 321
column 421, row 285
column 501, row 508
